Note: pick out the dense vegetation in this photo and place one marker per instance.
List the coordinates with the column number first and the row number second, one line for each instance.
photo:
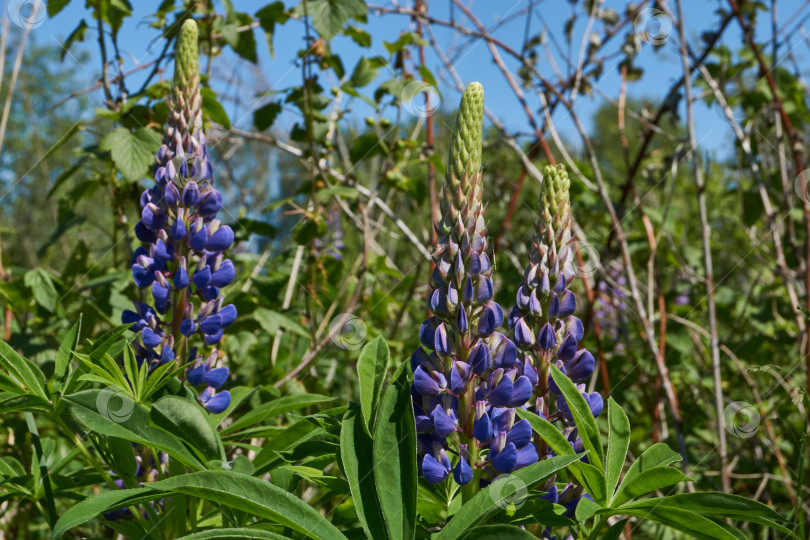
column 424, row 323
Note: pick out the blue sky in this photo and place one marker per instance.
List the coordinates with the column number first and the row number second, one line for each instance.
column 472, row 59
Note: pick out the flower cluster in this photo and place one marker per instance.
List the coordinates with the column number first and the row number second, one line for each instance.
column 467, row 376
column 542, row 320
column 182, row 260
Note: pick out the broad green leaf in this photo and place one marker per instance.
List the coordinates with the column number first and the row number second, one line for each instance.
column 111, row 414
column 41, row 284
column 213, row 109
column 371, row 368
column 718, row 504
column 658, row 455
column 394, row 454
column 498, row 532
column 584, row 420
column 254, row 496
column 132, row 152
column 329, row 16
column 364, row 72
column 618, row 444
column 357, row 457
column 270, row 15
column 485, row 503
column 186, row 420
column 647, row 481
column 77, row 36
column 98, row 504
column 234, row 534
column 69, row 343
column 264, row 116
column 25, row 371
column 55, row 6
column 271, row 409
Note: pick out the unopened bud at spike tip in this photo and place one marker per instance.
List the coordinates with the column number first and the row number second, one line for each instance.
column 187, row 55
column 465, row 146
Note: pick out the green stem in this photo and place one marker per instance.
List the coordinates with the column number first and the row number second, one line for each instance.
column 43, row 469
column 598, row 528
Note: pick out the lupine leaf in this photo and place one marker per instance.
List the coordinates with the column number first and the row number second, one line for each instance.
column 483, row 504
column 689, row 522
column 25, row 371
column 615, row 530
column 69, row 343
column 357, row 457
column 132, row 426
column 235, row 534
column 394, row 452
column 657, row 455
column 585, row 509
column 583, row 418
column 647, row 481
column 498, row 532
column 12, row 402
column 187, row 421
column 98, row 504
column 255, row 496
column 618, row 443
column 271, row 409
column 718, row 504
column 293, row 435
column 371, row 368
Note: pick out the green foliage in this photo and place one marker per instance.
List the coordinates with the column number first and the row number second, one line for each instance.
column 333, row 216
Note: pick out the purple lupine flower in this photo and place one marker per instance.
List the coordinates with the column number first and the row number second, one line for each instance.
column 467, row 378
column 182, row 261
column 542, row 320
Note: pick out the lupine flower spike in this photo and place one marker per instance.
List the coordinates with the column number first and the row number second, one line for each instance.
column 182, row 260
column 542, row 321
column 467, row 378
